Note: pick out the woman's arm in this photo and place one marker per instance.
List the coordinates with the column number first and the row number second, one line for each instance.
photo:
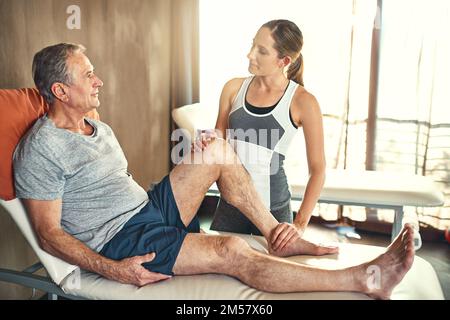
column 227, row 97
column 307, row 113
column 229, row 92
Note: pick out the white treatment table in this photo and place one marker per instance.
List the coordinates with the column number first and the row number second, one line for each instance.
column 374, row 189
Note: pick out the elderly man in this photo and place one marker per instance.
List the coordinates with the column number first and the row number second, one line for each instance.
column 86, row 208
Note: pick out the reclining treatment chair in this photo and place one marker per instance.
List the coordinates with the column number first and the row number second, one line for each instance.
column 18, row 111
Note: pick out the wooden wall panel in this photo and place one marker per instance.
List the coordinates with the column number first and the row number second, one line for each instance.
column 128, row 42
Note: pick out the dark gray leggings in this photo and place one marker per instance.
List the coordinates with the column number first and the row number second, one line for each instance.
column 229, row 219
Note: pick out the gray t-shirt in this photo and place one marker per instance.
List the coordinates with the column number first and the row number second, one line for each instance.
column 89, row 174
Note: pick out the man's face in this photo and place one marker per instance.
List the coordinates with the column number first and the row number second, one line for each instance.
column 83, row 91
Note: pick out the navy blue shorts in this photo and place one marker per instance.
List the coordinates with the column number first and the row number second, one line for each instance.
column 156, row 228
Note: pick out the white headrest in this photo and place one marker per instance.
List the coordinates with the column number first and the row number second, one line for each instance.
column 194, row 117
column 56, row 268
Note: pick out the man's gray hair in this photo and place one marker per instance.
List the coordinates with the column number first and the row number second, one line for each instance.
column 50, row 66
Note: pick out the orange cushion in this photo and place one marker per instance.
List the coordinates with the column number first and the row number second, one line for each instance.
column 19, row 109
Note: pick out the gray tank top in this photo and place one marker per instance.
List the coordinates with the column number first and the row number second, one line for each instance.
column 261, row 142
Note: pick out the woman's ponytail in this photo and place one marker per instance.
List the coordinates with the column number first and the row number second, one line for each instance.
column 295, row 71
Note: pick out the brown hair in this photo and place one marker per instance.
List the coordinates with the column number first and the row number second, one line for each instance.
column 288, row 42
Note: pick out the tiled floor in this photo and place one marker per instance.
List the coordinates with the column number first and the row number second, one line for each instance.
column 436, row 253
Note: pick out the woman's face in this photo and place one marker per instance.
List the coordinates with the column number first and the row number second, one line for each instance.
column 263, row 58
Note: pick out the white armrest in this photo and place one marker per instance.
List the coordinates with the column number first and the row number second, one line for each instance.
column 56, row 268
column 193, row 117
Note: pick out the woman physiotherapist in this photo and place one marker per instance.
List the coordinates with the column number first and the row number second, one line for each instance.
column 260, row 115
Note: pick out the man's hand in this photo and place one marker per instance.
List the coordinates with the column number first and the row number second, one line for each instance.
column 203, row 140
column 283, row 235
column 131, row 271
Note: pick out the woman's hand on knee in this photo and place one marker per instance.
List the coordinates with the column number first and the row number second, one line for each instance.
column 203, row 139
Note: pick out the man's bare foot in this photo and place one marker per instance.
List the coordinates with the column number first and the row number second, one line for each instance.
column 380, row 276
column 304, row 247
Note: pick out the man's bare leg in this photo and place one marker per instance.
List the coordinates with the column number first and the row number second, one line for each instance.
column 232, row 256
column 192, row 178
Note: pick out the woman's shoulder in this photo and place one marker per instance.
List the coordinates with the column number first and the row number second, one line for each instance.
column 231, row 89
column 304, row 99
column 303, row 102
column 234, row 84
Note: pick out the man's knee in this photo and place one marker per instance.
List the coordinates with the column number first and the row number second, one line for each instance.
column 231, row 248
column 220, row 152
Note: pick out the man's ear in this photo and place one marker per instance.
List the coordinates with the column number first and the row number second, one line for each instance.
column 60, row 91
